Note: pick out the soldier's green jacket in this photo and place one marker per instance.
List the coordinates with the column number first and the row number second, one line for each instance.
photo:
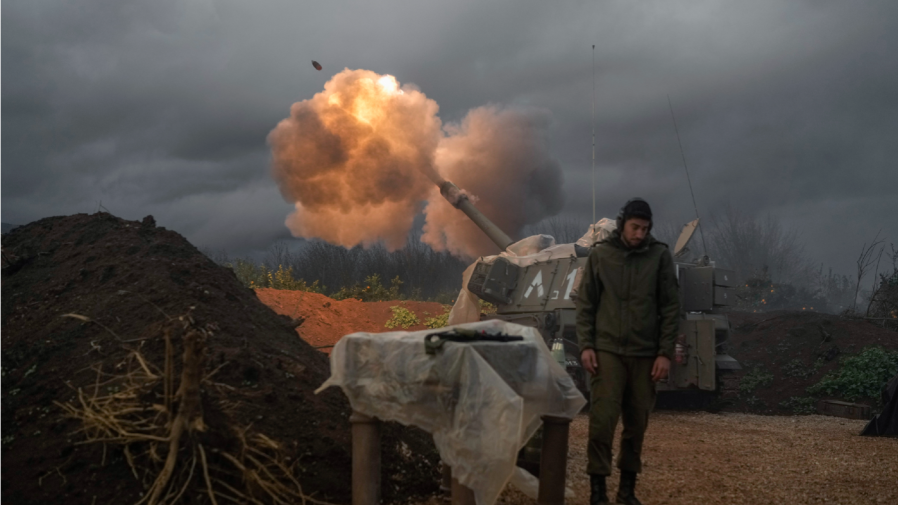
column 628, row 301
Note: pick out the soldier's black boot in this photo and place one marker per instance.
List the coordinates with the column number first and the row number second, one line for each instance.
column 626, row 492
column 598, row 494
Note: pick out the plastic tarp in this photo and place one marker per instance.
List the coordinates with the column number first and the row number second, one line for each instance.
column 481, row 401
column 597, row 232
column 522, row 253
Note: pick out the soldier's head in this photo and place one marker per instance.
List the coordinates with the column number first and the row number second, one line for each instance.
column 634, row 221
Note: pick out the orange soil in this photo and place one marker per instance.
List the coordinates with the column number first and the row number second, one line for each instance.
column 328, row 320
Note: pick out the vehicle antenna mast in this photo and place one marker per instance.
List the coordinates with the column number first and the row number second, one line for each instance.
column 701, row 233
column 593, row 135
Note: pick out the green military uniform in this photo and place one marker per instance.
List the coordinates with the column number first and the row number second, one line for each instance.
column 627, row 311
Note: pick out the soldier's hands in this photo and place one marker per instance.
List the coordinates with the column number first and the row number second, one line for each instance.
column 660, row 368
column 589, row 362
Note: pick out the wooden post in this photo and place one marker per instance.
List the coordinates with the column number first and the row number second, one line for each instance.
column 553, row 460
column 461, row 494
column 365, row 459
column 446, row 481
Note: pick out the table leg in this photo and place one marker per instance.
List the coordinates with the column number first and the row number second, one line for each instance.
column 461, row 494
column 553, row 460
column 365, row 459
column 446, row 480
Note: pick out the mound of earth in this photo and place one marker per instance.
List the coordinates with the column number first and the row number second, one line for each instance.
column 797, row 349
column 129, row 282
column 326, row 320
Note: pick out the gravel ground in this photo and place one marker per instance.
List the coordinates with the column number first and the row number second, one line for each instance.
column 702, row 458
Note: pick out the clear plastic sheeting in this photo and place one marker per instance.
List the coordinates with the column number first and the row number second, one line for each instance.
column 481, row 401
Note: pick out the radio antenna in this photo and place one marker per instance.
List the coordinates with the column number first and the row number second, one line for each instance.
column 701, row 233
column 593, row 135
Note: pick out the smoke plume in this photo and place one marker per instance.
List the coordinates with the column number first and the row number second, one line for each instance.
column 360, row 159
column 352, row 159
column 499, row 157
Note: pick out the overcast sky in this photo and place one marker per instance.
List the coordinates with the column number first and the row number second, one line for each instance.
column 163, row 107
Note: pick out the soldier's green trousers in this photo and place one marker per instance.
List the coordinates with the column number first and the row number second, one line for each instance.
column 623, row 387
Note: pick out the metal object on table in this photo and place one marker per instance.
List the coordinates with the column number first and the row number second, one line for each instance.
column 553, row 460
column 365, row 459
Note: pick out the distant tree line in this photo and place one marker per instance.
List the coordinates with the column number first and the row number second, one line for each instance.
column 416, row 271
column 769, row 259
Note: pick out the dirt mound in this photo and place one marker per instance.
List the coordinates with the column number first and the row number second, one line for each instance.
column 797, row 349
column 132, row 280
column 326, row 319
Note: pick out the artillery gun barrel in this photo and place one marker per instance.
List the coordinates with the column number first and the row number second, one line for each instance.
column 460, row 201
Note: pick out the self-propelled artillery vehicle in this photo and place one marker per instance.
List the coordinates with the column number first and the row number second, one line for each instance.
column 538, row 289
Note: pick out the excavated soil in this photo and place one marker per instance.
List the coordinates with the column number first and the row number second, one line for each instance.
column 790, row 346
column 327, row 320
column 131, row 277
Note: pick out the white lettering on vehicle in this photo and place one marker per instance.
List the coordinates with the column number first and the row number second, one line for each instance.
column 570, row 283
column 537, row 283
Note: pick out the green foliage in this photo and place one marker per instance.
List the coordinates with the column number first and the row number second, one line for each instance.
column 373, row 290
column 445, row 297
column 440, row 320
column 797, row 368
column 250, row 274
column 402, row 317
column 757, row 377
column 283, row 279
column 800, row 405
column 259, row 276
column 859, row 376
column 754, row 401
column 486, row 307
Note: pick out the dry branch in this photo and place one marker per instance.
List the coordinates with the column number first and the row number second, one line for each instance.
column 161, row 442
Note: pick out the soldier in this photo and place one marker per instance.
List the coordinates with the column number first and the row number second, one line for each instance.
column 627, row 320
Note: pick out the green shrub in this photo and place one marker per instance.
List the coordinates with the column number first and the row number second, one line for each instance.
column 259, row 276
column 757, row 377
column 800, row 405
column 283, row 279
column 440, row 320
column 402, row 317
column 754, row 401
column 797, row 368
column 487, row 307
column 373, row 290
column 445, row 297
column 251, row 275
column 859, row 376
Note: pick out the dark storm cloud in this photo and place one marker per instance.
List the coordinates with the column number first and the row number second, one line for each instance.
column 786, row 108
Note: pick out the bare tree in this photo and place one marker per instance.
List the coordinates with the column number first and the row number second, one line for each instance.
column 865, row 260
column 566, row 228
column 668, row 233
column 748, row 245
column 278, row 255
column 836, row 290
